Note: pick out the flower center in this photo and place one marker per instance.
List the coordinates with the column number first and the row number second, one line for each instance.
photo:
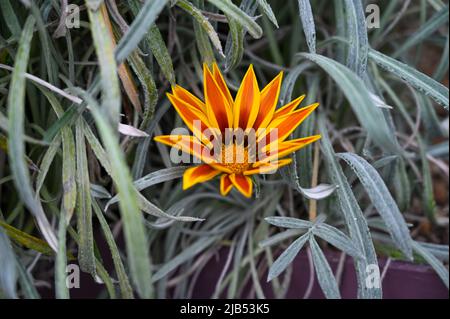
column 235, row 158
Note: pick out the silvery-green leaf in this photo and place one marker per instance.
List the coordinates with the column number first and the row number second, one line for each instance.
column 324, row 273
column 8, row 273
column 288, row 222
column 440, row 269
column 418, row 80
column 382, row 200
column 338, row 239
column 307, row 18
column 287, row 257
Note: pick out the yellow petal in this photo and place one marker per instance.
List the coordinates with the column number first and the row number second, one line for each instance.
column 218, row 109
column 188, row 144
column 198, row 174
column 246, row 104
column 286, row 124
column 285, row 148
column 194, row 119
column 288, row 108
column 225, row 184
column 268, row 168
column 188, row 98
column 243, row 184
column 222, row 84
column 269, row 99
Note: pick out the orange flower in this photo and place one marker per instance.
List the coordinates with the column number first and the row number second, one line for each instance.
column 216, row 122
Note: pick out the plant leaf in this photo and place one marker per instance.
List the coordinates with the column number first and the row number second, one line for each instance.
column 423, row 83
column 382, row 200
column 324, row 274
column 287, row 257
column 289, row 222
column 354, row 218
column 309, row 28
column 370, row 116
column 16, row 113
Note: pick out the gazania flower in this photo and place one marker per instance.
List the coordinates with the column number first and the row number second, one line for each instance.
column 251, row 112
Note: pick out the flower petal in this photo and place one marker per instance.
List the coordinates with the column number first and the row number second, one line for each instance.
column 268, row 168
column 218, row 109
column 222, row 84
column 188, row 98
column 286, row 124
column 225, row 184
column 288, row 108
column 243, row 184
column 246, row 104
column 269, row 99
column 286, row 148
column 188, row 144
column 198, row 174
column 194, row 119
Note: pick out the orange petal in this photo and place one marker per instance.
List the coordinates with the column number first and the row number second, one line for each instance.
column 188, row 144
column 188, row 98
column 287, row 147
column 268, row 168
column 218, row 109
column 225, row 184
column 246, row 104
column 286, row 124
column 288, row 108
column 198, row 174
column 243, row 184
column 222, row 84
column 269, row 99
column 194, row 119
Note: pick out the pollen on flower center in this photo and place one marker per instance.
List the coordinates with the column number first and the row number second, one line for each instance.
column 235, row 158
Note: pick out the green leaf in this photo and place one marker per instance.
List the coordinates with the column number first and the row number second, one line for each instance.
column 124, row 283
column 427, row 194
column 382, row 200
column 161, row 54
column 8, row 275
column 10, row 18
column 202, row 22
column 309, row 28
column 68, row 163
column 104, row 47
column 61, row 290
column 338, row 239
column 234, row 48
column 267, row 9
column 27, row 240
column 440, row 269
column 234, row 12
column 139, row 28
column 357, row 34
column 289, row 222
column 16, row 114
column 354, row 217
column 416, row 79
column 434, row 23
column 185, row 255
column 46, row 162
column 323, row 272
column 157, row 177
column 370, row 116
column 135, row 237
column 287, row 257
column 84, row 205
